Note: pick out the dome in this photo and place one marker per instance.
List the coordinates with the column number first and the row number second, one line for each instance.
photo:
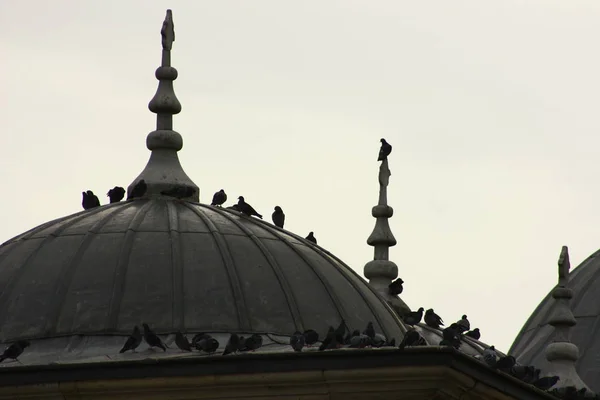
column 530, row 344
column 177, row 265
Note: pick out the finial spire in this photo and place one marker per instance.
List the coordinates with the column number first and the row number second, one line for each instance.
column 561, row 353
column 163, row 170
column 381, row 271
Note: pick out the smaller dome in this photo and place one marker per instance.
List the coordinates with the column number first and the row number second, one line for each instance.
column 531, row 342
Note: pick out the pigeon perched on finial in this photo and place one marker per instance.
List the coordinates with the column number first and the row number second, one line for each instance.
column 179, row 192
column 138, row 190
column 219, row 198
column 133, row 341
column 15, row 350
column 246, row 208
column 278, row 217
column 90, row 200
column 384, row 151
column 311, row 237
column 152, row 339
column 116, row 194
column 475, row 334
column 414, row 317
column 432, row 319
column 395, row 288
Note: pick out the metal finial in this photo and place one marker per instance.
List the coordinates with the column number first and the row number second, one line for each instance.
column 561, row 353
column 163, row 170
column 381, row 271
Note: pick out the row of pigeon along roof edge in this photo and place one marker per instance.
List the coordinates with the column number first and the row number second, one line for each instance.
column 164, row 177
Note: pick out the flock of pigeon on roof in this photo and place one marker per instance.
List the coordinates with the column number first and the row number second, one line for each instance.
column 340, row 337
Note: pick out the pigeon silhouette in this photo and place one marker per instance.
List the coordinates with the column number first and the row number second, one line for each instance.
column 179, row 192
column 505, row 363
column 489, row 356
column 297, row 341
column 463, row 324
column 152, row 339
column 219, row 198
column 395, row 288
column 15, row 350
column 414, row 317
column 412, row 338
column 198, row 337
column 475, row 334
column 432, row 319
column 133, row 341
column 208, row 345
column 232, row 344
column 182, row 342
column 278, row 217
column 310, row 337
column 246, row 208
column 369, row 331
column 253, row 343
column 546, row 383
column 330, row 341
column 451, row 337
column 116, row 194
column 90, row 200
column 138, row 190
column 311, row 237
column 384, row 150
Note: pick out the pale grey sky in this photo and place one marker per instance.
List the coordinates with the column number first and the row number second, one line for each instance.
column 491, row 107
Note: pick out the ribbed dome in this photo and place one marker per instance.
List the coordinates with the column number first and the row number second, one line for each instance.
column 535, row 335
column 178, row 266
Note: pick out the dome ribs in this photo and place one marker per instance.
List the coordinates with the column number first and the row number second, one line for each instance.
column 330, row 291
column 178, row 295
column 343, row 271
column 234, row 280
column 6, row 291
column 63, row 284
column 121, row 270
column 287, row 291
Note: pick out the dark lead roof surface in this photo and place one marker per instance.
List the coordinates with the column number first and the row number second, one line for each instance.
column 177, row 266
column 535, row 335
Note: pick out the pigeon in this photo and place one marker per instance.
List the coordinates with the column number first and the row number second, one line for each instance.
column 198, row 337
column 310, row 337
column 246, row 208
column 278, row 217
column 330, row 341
column 522, row 372
column 378, row 340
column 475, row 334
column 489, row 356
column 412, row 338
column 15, row 350
column 395, row 288
column 463, row 324
column 451, row 337
column 90, row 200
column 232, row 344
column 414, row 317
column 133, row 341
column 219, row 198
column 311, row 237
column 340, row 331
column 179, row 192
column 116, row 194
column 138, row 190
column 505, row 363
column 384, row 151
column 241, row 344
column 254, row 342
column 182, row 342
column 546, row 382
column 369, row 331
column 360, row 340
column 432, row 319
column 297, row 341
column 208, row 345
column 152, row 339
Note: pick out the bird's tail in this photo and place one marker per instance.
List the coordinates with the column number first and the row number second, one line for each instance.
column 259, row 216
column 123, row 350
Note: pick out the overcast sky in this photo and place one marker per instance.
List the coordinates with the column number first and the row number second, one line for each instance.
column 491, row 106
